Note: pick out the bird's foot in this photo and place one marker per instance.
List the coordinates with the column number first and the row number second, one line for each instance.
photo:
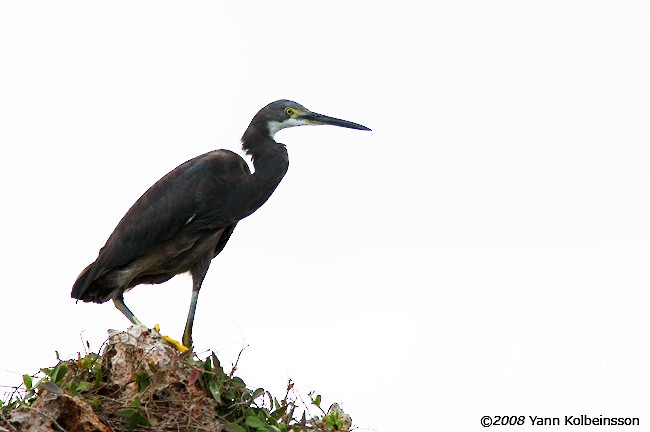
column 179, row 346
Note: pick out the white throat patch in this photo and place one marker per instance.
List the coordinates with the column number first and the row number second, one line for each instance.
column 276, row 126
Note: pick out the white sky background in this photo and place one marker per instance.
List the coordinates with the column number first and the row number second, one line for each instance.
column 484, row 251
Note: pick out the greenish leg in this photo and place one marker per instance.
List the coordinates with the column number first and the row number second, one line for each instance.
column 119, row 304
column 187, row 334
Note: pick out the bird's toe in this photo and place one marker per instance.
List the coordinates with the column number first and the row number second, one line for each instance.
column 179, row 346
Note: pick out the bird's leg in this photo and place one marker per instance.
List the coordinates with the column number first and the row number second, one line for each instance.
column 198, row 274
column 187, row 334
column 119, row 304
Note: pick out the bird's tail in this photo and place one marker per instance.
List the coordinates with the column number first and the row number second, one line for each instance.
column 81, row 285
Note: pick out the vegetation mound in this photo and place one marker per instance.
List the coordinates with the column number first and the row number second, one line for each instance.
column 142, row 383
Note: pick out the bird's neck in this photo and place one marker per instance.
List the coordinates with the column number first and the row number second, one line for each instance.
column 270, row 161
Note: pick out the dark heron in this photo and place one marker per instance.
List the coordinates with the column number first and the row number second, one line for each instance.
column 186, row 218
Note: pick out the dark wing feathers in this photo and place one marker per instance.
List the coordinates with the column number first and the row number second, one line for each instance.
column 167, row 206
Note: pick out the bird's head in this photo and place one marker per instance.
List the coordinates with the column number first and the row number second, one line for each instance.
column 284, row 113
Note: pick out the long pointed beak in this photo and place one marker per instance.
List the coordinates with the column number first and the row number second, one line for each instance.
column 320, row 119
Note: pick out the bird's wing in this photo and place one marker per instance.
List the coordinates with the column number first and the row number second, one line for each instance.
column 172, row 202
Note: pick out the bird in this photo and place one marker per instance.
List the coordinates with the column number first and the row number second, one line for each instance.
column 185, row 219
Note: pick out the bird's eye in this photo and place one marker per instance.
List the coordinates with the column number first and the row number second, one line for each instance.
column 289, row 111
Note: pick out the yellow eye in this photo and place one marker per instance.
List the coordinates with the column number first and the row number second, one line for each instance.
column 289, row 111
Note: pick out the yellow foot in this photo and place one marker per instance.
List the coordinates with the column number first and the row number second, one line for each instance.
column 179, row 346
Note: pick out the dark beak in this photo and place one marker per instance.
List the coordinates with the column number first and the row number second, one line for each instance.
column 320, row 119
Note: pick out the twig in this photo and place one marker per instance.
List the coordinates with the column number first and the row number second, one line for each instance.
column 7, row 423
column 85, row 345
column 234, row 366
column 47, row 416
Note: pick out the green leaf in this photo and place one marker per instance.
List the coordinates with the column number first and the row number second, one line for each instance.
column 256, row 423
column 58, row 373
column 98, row 375
column 207, row 365
column 278, row 413
column 220, row 374
column 55, row 373
column 215, row 361
column 214, row 391
column 134, row 418
column 27, row 379
column 229, row 395
column 89, row 361
column 82, row 386
column 317, row 400
column 137, row 419
column 238, row 382
column 126, row 412
column 234, row 427
column 143, row 380
column 52, row 388
column 268, row 418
